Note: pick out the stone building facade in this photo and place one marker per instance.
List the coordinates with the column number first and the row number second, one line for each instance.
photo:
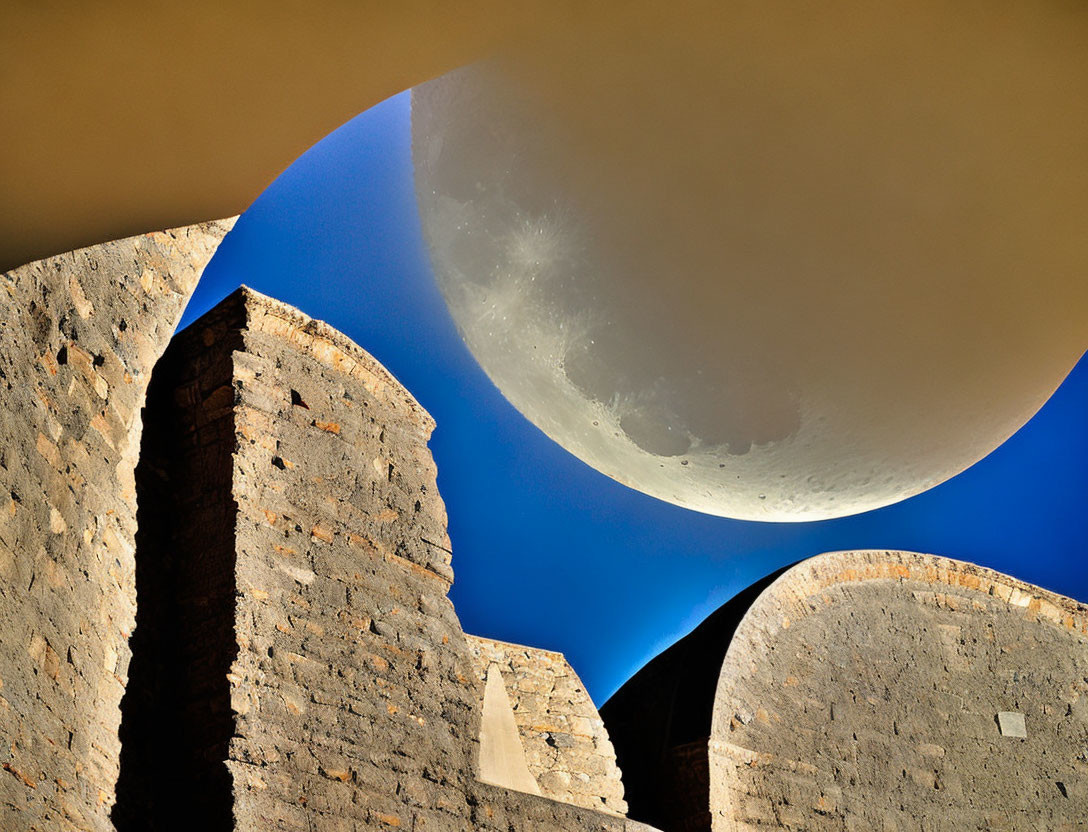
column 231, row 613
column 866, row 690
column 320, row 656
column 295, row 660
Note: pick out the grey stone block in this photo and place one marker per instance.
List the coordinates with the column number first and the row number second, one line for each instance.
column 1012, row 724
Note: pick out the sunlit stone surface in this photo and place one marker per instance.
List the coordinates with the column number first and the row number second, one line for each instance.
column 770, row 265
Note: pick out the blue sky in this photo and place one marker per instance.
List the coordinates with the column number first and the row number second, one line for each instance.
column 547, row 551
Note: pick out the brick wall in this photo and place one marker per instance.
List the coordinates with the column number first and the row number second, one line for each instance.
column 80, row 334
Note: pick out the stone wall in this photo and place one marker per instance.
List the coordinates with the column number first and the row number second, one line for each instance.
column 888, row 691
column 176, row 713
column 566, row 744
column 80, row 334
column 863, row 690
column 297, row 665
column 352, row 700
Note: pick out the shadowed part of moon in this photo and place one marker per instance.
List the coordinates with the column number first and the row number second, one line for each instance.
column 780, row 265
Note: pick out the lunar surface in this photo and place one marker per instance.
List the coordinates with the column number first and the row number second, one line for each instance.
column 785, row 266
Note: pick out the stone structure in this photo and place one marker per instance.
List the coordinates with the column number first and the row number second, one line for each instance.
column 565, row 741
column 866, row 690
column 502, row 753
column 299, row 627
column 80, row 335
column 296, row 663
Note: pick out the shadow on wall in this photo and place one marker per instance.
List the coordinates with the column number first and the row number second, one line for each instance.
column 659, row 722
column 176, row 719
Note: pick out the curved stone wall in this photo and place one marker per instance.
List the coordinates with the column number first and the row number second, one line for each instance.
column 895, row 691
column 659, row 721
column 307, row 668
column 80, row 334
column 865, row 691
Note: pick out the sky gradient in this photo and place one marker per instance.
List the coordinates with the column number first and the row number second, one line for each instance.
column 547, row 551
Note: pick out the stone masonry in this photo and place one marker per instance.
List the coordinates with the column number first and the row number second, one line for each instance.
column 885, row 691
column 326, row 682
column 566, row 744
column 250, row 629
column 80, row 335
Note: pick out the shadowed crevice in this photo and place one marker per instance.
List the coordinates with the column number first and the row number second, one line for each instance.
column 176, row 719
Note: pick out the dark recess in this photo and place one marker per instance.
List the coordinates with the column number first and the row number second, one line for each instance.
column 176, row 720
column 659, row 721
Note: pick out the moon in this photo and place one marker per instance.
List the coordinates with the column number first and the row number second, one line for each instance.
column 791, row 266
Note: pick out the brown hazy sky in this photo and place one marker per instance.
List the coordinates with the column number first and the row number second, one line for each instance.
column 121, row 117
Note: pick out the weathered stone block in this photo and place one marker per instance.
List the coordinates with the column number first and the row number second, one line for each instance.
column 1012, row 724
column 298, row 633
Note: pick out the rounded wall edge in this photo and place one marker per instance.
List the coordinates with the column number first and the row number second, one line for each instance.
column 789, row 600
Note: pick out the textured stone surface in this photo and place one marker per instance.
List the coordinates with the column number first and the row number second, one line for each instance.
column 80, row 334
column 297, row 664
column 861, row 690
column 325, row 680
column 874, row 680
column 565, row 741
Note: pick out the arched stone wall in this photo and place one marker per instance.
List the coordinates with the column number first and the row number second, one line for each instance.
column 81, row 332
column 308, row 667
column 865, row 690
column 659, row 721
column 886, row 691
